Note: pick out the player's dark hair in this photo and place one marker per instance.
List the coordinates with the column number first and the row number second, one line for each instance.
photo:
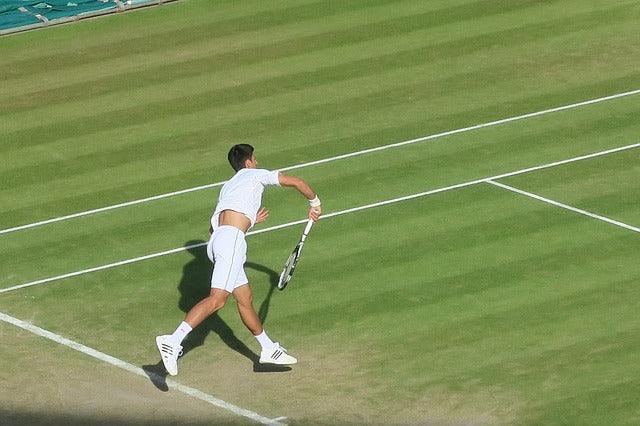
column 238, row 154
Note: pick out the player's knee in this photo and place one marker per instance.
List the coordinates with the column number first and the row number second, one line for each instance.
column 215, row 304
column 216, row 301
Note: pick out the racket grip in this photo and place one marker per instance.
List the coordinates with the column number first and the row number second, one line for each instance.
column 308, row 227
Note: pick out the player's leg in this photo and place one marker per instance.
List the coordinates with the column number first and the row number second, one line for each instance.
column 207, row 306
column 229, row 248
column 271, row 352
column 170, row 345
column 249, row 316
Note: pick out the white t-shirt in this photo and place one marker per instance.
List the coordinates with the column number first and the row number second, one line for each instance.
column 243, row 193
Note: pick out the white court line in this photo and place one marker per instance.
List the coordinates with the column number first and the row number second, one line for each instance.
column 327, row 216
column 137, row 259
column 136, row 370
column 327, row 160
column 564, row 206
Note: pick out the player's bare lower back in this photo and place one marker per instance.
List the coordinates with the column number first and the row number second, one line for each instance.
column 235, row 219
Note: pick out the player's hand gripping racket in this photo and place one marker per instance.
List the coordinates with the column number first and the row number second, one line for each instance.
column 290, row 266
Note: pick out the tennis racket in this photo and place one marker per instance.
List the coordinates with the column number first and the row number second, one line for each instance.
column 290, row 266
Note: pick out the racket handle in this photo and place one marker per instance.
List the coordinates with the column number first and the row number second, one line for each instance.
column 308, row 227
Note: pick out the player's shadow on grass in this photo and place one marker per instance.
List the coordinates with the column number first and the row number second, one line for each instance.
column 195, row 286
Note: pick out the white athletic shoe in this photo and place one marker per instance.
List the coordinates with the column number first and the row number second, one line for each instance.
column 276, row 355
column 169, row 353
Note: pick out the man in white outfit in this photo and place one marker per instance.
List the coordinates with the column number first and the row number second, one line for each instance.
column 237, row 211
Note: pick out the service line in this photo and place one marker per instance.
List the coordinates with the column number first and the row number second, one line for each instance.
column 564, row 206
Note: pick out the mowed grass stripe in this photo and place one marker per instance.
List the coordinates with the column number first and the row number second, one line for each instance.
column 446, row 49
column 395, row 66
column 210, row 26
column 95, row 34
column 177, row 61
column 317, row 68
column 410, row 82
column 366, row 23
column 136, row 148
column 420, row 285
column 526, row 335
column 479, row 325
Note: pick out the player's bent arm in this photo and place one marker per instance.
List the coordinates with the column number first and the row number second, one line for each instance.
column 315, row 208
column 295, row 182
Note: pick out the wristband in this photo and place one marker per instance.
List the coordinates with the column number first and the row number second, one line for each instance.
column 315, row 202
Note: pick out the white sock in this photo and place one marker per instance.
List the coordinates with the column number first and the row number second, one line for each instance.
column 181, row 332
column 264, row 340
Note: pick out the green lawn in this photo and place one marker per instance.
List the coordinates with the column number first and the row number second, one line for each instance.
column 474, row 305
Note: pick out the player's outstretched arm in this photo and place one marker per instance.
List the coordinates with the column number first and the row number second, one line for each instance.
column 315, row 208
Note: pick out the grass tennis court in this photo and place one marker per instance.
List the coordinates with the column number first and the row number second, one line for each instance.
column 472, row 304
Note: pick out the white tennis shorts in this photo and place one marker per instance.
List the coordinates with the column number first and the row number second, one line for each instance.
column 227, row 249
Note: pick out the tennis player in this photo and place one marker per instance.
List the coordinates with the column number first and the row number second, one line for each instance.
column 237, row 211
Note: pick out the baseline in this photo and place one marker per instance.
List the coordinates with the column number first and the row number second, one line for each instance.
column 329, row 159
column 136, row 370
column 564, row 206
column 327, row 216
